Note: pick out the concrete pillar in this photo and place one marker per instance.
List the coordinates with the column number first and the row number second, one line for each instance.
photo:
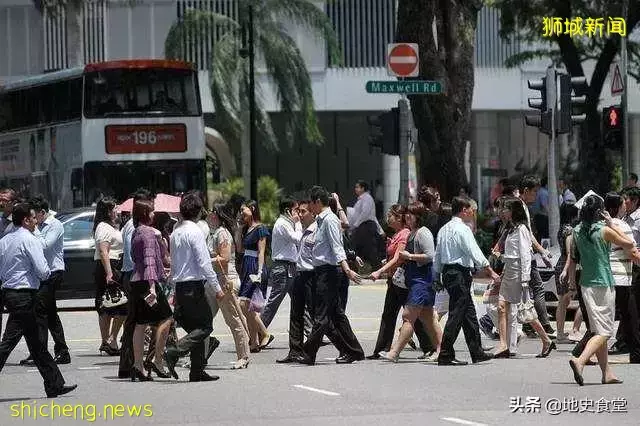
column 390, row 179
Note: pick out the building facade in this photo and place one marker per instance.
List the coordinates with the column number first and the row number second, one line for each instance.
column 32, row 42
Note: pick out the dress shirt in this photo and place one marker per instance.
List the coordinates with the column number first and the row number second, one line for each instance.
column 305, row 254
column 363, row 211
column 190, row 258
column 567, row 195
column 633, row 220
column 51, row 233
column 127, row 235
column 328, row 248
column 285, row 239
column 22, row 261
column 517, row 245
column 457, row 245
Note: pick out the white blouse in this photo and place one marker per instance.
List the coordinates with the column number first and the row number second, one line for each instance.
column 517, row 245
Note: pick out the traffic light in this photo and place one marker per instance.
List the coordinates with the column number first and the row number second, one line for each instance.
column 612, row 122
column 385, row 131
column 545, row 103
column 566, row 117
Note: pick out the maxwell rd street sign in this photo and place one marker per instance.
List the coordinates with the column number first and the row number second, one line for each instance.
column 413, row 87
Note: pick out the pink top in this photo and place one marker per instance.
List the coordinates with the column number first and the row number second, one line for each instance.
column 398, row 238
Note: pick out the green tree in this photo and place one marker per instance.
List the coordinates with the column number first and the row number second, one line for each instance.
column 282, row 58
column 524, row 20
column 446, row 54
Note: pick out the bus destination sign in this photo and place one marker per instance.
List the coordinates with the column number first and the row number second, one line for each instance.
column 138, row 139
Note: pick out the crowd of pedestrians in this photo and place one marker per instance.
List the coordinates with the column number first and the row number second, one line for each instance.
column 157, row 273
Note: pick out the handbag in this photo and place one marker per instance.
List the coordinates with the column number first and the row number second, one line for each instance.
column 257, row 302
column 526, row 310
column 398, row 278
column 113, row 296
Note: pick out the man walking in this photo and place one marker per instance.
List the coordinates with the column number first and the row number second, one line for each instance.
column 191, row 270
column 302, row 285
column 51, row 234
column 364, row 227
column 22, row 267
column 328, row 255
column 285, row 239
column 456, row 254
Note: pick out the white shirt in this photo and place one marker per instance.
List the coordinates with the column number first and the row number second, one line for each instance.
column 22, row 261
column 285, row 239
column 363, row 211
column 127, row 234
column 106, row 233
column 190, row 258
column 51, row 233
column 621, row 264
column 517, row 245
column 457, row 245
column 305, row 254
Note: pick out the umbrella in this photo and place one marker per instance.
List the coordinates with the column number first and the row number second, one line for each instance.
column 163, row 203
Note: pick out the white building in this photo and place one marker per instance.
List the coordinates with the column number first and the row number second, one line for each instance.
column 31, row 43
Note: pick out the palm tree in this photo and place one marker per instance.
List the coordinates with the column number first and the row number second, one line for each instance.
column 282, row 58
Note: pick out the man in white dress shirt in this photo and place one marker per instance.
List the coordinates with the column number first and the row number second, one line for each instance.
column 285, row 239
column 22, row 267
column 191, row 270
column 365, row 230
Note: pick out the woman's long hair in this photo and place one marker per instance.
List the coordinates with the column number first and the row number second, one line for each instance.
column 225, row 217
column 568, row 213
column 104, row 207
column 590, row 213
column 518, row 214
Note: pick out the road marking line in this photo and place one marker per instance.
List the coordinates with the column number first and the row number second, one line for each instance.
column 82, row 350
column 88, row 368
column 33, row 370
column 324, row 392
column 462, row 421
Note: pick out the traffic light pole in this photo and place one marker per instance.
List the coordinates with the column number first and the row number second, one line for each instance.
column 554, row 210
column 403, row 109
column 629, row 159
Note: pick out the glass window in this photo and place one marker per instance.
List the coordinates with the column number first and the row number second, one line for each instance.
column 78, row 229
column 139, row 92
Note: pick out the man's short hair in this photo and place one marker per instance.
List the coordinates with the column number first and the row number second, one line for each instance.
column 318, row 193
column 20, row 212
column 39, row 203
column 191, row 207
column 458, row 204
column 287, row 203
column 143, row 194
column 362, row 184
column 529, row 182
column 631, row 192
column 633, row 177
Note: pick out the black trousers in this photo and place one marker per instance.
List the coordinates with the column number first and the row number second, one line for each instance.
column 301, row 289
column 126, row 348
column 368, row 243
column 627, row 302
column 330, row 320
column 343, row 289
column 393, row 301
column 457, row 281
column 22, row 321
column 47, row 313
column 193, row 314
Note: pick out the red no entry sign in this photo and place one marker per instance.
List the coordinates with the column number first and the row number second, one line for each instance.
column 403, row 59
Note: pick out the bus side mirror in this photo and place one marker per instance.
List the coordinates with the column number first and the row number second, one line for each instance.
column 76, row 180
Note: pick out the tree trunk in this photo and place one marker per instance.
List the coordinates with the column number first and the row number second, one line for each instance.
column 442, row 120
column 75, row 42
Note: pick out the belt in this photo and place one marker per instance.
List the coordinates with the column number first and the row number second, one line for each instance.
column 251, row 253
column 287, row 262
column 456, row 266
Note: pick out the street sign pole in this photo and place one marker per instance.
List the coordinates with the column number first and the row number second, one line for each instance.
column 403, row 109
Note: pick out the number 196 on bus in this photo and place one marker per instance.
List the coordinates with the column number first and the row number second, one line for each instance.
column 143, row 137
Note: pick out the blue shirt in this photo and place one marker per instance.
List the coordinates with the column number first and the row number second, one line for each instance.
column 52, row 236
column 541, row 205
column 457, row 245
column 328, row 248
column 22, row 261
column 127, row 234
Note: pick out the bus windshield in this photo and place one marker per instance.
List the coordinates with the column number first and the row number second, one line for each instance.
column 140, row 92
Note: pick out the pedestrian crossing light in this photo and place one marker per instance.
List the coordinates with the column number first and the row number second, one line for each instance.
column 612, row 121
column 545, row 103
column 569, row 103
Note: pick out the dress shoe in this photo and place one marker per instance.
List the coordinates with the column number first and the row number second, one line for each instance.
column 203, row 377
column 266, row 345
column 63, row 358
column 374, row 356
column 287, row 360
column 140, row 376
column 453, row 362
column 503, row 354
column 170, row 359
column 305, row 360
column 61, row 391
column 577, row 376
column 549, row 330
column 484, row 356
column 28, row 361
column 348, row 359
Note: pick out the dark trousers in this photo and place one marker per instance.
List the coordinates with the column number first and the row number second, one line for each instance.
column 47, row 313
column 193, row 314
column 22, row 321
column 126, row 348
column 330, row 320
column 462, row 313
column 627, row 302
column 536, row 287
column 393, row 301
column 368, row 243
column 302, row 287
column 579, row 347
column 343, row 289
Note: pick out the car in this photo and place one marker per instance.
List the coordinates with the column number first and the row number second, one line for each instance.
column 548, row 276
column 79, row 249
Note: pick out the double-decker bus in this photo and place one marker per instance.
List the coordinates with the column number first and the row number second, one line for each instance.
column 106, row 128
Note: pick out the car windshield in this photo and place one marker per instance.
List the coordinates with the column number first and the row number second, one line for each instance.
column 76, row 228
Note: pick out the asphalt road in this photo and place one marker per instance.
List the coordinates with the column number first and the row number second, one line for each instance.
column 366, row 393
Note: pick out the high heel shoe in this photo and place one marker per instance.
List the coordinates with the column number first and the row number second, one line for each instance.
column 503, row 354
column 545, row 352
column 255, row 350
column 137, row 374
column 150, row 366
column 240, row 364
column 109, row 350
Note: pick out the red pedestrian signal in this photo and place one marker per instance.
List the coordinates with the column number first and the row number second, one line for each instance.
column 613, row 118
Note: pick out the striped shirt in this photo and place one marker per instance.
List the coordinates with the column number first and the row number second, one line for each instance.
column 621, row 264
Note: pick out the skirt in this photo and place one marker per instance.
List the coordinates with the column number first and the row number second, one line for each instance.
column 99, row 276
column 511, row 282
column 145, row 314
column 247, row 287
column 418, row 279
column 601, row 309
